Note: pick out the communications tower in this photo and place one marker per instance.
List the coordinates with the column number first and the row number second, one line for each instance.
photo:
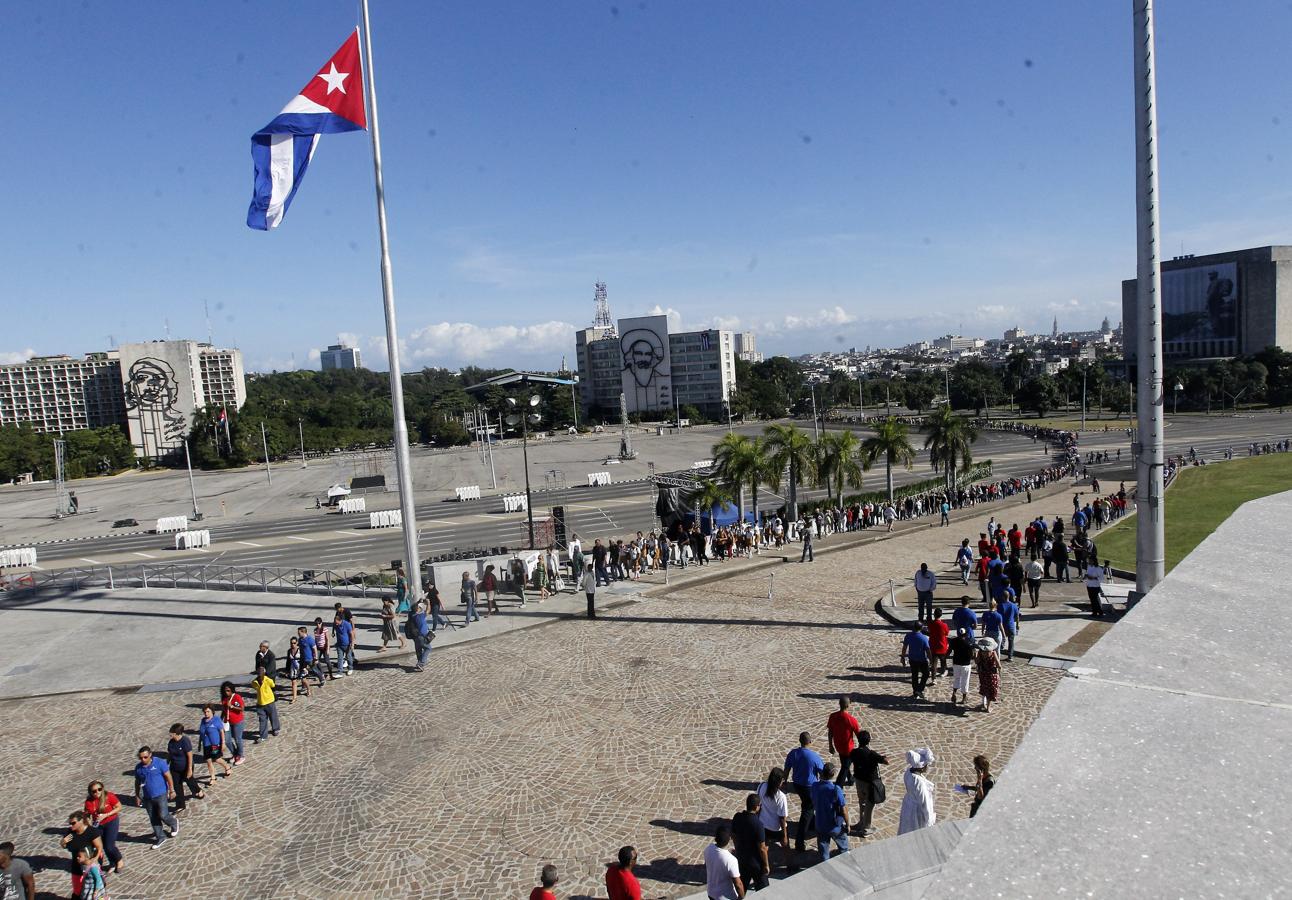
column 601, row 318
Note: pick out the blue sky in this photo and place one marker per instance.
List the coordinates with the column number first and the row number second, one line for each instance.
column 830, row 174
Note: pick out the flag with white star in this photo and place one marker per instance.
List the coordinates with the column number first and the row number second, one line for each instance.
column 332, row 102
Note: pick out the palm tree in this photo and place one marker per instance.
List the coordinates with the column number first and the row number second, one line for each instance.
column 839, row 462
column 738, row 461
column 950, row 443
column 786, row 447
column 890, row 441
column 709, row 494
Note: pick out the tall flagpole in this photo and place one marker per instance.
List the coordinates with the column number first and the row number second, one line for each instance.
column 1149, row 451
column 412, row 561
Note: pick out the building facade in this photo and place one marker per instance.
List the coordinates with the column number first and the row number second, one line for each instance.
column 339, row 356
column 1218, row 306
column 657, row 372
column 745, row 346
column 150, row 390
column 58, row 393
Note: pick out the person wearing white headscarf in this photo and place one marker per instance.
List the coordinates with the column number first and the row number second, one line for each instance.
column 917, row 805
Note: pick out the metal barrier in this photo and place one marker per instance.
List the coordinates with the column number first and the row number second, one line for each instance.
column 208, row 578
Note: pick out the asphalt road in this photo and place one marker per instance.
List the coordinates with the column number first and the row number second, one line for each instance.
column 323, row 540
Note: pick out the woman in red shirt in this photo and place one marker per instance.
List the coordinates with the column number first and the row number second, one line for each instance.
column 104, row 810
column 233, row 707
column 939, row 646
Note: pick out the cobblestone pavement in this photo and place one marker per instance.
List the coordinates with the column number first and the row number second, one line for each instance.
column 555, row 744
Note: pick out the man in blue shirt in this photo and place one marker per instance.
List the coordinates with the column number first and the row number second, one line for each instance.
column 965, row 618
column 420, row 631
column 1009, row 619
column 344, row 640
column 804, row 766
column 829, row 802
column 915, row 647
column 153, row 787
column 310, row 661
column 992, row 621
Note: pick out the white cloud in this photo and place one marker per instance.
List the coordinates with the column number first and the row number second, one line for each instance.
column 674, row 317
column 14, row 357
column 832, row 317
column 314, row 355
column 995, row 312
column 455, row 344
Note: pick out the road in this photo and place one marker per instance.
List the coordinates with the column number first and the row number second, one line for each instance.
column 324, row 540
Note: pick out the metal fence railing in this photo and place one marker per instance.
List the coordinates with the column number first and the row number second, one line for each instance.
column 260, row 579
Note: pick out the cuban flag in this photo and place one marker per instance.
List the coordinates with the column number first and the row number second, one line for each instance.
column 332, row 102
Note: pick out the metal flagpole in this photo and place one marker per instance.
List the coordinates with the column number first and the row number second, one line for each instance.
column 1150, row 534
column 403, row 470
column 264, row 441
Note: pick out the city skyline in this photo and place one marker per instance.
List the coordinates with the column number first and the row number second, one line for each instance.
column 841, row 178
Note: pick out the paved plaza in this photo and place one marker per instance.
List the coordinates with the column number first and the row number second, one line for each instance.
column 556, row 743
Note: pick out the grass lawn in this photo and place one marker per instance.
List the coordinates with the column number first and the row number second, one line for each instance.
column 1198, row 502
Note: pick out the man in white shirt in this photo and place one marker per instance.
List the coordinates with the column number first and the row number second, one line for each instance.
column 1034, row 573
column 925, row 583
column 722, row 872
column 1095, row 587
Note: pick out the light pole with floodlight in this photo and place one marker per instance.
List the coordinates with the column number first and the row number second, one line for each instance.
column 523, row 419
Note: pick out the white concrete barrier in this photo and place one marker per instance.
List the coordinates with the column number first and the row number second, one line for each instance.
column 18, row 556
column 192, row 540
column 702, row 464
column 389, row 518
column 514, row 503
column 598, row 478
column 169, row 524
column 470, row 492
column 352, row 505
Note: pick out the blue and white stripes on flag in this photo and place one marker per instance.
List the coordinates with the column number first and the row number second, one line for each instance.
column 331, row 103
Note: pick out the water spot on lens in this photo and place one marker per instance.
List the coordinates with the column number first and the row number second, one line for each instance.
column 805, row 138
column 1027, row 63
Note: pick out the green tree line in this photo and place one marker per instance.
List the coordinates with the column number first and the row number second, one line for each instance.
column 91, row 451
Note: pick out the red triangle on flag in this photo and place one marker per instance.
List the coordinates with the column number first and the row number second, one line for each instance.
column 339, row 84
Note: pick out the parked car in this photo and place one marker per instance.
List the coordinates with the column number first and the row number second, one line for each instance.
column 125, row 523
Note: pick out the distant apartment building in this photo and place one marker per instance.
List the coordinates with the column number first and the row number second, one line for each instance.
column 58, row 393
column 1015, row 334
column 954, row 343
column 657, row 372
column 745, row 346
column 339, row 356
column 151, row 390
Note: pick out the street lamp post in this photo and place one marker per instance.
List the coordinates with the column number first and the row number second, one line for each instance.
column 188, row 462
column 523, row 419
column 300, row 429
column 1175, row 405
column 816, row 434
column 264, row 441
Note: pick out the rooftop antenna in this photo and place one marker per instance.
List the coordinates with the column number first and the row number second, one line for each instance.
column 167, row 321
column 206, row 308
column 601, row 317
column 112, row 342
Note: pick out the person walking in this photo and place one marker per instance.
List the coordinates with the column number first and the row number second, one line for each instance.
column 16, row 878
column 310, row 661
column 915, row 647
column 925, row 584
column 389, row 629
column 210, row 737
column 343, row 631
column 1094, row 578
column 1010, row 621
column 401, row 591
column 964, row 617
column 85, row 843
column 830, row 806
column 489, row 584
column 104, row 809
column 983, row 783
column 962, row 654
column 621, row 883
column 422, row 636
column 804, row 766
column 842, row 728
column 266, row 707
column 234, row 709
column 1034, row 573
column 93, row 887
column 988, row 673
column 749, row 838
column 296, row 669
column 590, row 589
column 773, row 813
column 322, row 642
column 179, row 755
column 438, row 617
column 153, row 787
column 870, row 784
column 964, row 560
column 938, row 632
column 721, row 871
column 806, row 555
column 469, row 597
column 265, row 657
column 917, row 806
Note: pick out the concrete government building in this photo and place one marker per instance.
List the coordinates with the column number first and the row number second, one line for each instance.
column 339, row 356
column 150, row 390
column 1219, row 306
column 657, row 372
